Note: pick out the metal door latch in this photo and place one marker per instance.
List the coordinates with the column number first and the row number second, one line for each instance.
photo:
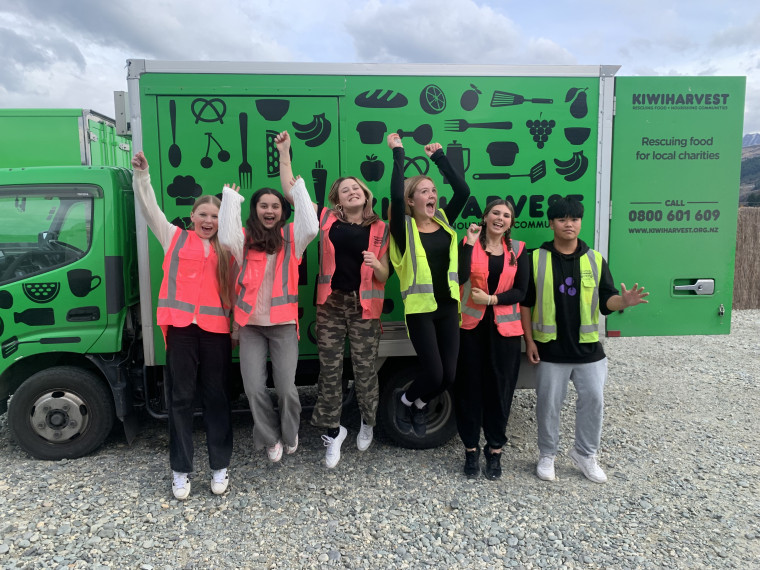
column 700, row 287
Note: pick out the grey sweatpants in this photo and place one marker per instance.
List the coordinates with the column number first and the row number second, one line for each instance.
column 551, row 390
column 281, row 341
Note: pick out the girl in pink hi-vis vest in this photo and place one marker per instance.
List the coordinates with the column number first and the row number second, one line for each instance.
column 194, row 303
column 268, row 252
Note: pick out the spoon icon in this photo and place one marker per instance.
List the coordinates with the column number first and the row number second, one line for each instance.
column 175, row 155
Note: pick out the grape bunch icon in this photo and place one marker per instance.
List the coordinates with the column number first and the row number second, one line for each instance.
column 540, row 129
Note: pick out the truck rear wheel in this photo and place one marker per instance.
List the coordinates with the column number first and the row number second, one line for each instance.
column 61, row 412
column 441, row 422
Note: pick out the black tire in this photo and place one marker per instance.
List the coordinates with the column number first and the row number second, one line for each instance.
column 441, row 422
column 61, row 413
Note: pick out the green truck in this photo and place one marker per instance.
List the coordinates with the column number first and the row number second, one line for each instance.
column 655, row 161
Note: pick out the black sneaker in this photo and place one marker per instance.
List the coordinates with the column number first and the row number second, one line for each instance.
column 403, row 416
column 472, row 463
column 419, row 420
column 493, row 463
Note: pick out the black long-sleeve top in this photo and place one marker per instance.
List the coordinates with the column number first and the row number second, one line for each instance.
column 495, row 267
column 436, row 244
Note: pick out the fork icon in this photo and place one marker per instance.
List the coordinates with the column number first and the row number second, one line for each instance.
column 460, row 125
column 244, row 170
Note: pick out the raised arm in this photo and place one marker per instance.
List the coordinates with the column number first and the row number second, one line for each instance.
column 398, row 231
column 461, row 190
column 305, row 222
column 287, row 180
column 230, row 230
column 146, row 197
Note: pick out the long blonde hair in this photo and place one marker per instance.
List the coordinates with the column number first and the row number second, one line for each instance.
column 222, row 255
column 368, row 214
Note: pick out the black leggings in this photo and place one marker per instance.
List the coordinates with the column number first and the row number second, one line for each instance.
column 435, row 337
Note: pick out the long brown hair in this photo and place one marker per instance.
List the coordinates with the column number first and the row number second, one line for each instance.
column 256, row 235
column 222, row 255
column 507, row 234
column 369, row 216
column 410, row 187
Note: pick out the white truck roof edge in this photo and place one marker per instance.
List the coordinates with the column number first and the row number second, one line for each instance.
column 136, row 67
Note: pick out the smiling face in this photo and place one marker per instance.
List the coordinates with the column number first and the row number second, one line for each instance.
column 351, row 195
column 498, row 219
column 269, row 210
column 423, row 199
column 205, row 220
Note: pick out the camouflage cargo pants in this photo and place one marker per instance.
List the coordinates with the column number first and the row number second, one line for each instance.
column 339, row 316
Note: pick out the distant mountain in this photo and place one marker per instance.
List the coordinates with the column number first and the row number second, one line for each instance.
column 751, row 140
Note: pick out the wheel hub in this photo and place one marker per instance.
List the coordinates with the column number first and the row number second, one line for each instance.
column 58, row 416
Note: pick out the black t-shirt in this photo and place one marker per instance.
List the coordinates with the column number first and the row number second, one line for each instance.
column 436, row 246
column 567, row 347
column 349, row 241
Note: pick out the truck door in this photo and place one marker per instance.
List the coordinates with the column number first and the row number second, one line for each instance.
column 675, row 184
column 51, row 269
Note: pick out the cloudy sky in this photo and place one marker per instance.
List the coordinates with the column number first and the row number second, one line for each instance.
column 72, row 53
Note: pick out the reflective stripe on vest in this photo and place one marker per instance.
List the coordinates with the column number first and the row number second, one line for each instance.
column 284, row 305
column 416, row 281
column 371, row 291
column 543, row 317
column 506, row 317
column 179, row 304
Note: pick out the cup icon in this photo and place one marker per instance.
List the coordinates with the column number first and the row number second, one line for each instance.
column 82, row 282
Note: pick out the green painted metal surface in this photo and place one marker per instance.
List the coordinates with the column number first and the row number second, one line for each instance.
column 675, row 185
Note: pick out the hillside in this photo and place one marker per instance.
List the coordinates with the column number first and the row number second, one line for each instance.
column 749, row 185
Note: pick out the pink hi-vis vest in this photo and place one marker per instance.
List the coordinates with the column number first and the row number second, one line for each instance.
column 190, row 290
column 506, row 317
column 284, row 290
column 371, row 291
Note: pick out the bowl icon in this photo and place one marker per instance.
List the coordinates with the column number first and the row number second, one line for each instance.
column 577, row 135
column 272, row 109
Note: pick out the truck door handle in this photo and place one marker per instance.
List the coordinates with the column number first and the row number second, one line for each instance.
column 700, row 287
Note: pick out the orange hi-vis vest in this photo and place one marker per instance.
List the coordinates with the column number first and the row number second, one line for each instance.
column 506, row 317
column 371, row 291
column 190, row 290
column 284, row 290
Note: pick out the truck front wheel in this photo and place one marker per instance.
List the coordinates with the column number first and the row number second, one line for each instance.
column 441, row 422
column 61, row 412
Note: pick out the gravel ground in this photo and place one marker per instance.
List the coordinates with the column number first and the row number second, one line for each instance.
column 679, row 446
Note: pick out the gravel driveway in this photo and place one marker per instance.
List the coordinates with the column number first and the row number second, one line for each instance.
column 680, row 447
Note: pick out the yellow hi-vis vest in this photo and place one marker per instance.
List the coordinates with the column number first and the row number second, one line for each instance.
column 544, row 317
column 414, row 272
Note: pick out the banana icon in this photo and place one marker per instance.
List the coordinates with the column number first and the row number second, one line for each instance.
column 314, row 133
column 574, row 168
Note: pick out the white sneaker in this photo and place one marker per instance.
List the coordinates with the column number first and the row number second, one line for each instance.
column 589, row 466
column 220, row 479
column 275, row 452
column 332, row 455
column 545, row 468
column 180, row 485
column 364, row 439
column 291, row 449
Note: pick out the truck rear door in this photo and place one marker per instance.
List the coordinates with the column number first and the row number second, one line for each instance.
column 674, row 190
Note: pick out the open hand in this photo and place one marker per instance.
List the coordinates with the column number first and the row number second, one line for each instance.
column 634, row 296
column 233, row 186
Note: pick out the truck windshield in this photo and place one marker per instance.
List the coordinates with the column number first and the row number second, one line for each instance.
column 41, row 231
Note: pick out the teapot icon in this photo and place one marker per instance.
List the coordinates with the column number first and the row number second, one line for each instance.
column 457, row 154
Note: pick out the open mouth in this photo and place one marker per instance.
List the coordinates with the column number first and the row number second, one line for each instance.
column 430, row 208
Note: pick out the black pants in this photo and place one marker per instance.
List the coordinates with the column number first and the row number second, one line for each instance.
column 485, row 384
column 435, row 337
column 197, row 357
